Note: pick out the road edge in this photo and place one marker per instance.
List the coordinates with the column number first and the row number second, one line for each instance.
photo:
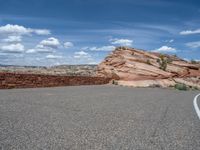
column 196, row 105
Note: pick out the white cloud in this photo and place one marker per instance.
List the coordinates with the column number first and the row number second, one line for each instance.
column 13, row 39
column 188, row 32
column 12, row 48
column 45, row 46
column 10, row 29
column 39, row 50
column 103, row 48
column 31, row 51
column 81, row 54
column 49, row 43
column 14, row 29
column 121, row 42
column 165, row 49
column 83, row 57
column 186, row 59
column 93, row 63
column 68, row 44
column 53, row 56
column 193, row 44
column 169, row 41
column 41, row 31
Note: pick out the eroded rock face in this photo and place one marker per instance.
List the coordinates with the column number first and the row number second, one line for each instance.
column 129, row 64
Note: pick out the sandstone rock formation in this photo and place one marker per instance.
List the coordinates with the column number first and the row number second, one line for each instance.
column 129, row 64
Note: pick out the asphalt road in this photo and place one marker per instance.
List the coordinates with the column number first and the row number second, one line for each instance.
column 98, row 117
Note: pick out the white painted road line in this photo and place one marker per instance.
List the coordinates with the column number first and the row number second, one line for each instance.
column 196, row 105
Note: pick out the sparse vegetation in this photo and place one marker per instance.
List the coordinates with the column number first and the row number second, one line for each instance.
column 162, row 62
column 169, row 60
column 148, row 62
column 195, row 88
column 193, row 61
column 181, row 86
column 114, row 82
column 155, row 86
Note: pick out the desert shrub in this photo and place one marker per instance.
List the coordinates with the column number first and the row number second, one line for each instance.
column 155, row 86
column 114, row 82
column 181, row 86
column 169, row 60
column 193, row 61
column 162, row 62
column 195, row 88
column 148, row 62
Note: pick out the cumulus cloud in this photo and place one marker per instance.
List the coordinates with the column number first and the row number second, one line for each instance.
column 45, row 46
column 81, row 54
column 10, row 29
column 13, row 39
column 103, row 48
column 68, row 44
column 14, row 29
column 121, row 42
column 53, row 56
column 193, row 44
column 188, row 32
column 49, row 43
column 12, row 48
column 165, row 49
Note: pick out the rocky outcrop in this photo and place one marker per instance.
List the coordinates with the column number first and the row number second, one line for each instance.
column 129, row 64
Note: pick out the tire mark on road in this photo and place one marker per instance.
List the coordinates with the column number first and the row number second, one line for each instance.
column 161, row 121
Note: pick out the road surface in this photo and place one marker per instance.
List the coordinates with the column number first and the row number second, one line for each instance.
column 98, row 117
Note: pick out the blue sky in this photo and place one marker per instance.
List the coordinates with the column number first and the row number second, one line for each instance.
column 53, row 32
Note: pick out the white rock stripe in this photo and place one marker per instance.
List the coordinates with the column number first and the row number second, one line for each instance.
column 196, row 105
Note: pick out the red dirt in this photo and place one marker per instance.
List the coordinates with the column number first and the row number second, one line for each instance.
column 14, row 80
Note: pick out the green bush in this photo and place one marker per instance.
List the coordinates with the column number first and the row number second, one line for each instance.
column 162, row 62
column 148, row 62
column 181, row 86
column 114, row 82
column 193, row 61
column 195, row 88
column 169, row 60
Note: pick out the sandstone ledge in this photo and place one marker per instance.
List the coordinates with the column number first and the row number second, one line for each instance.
column 158, row 83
